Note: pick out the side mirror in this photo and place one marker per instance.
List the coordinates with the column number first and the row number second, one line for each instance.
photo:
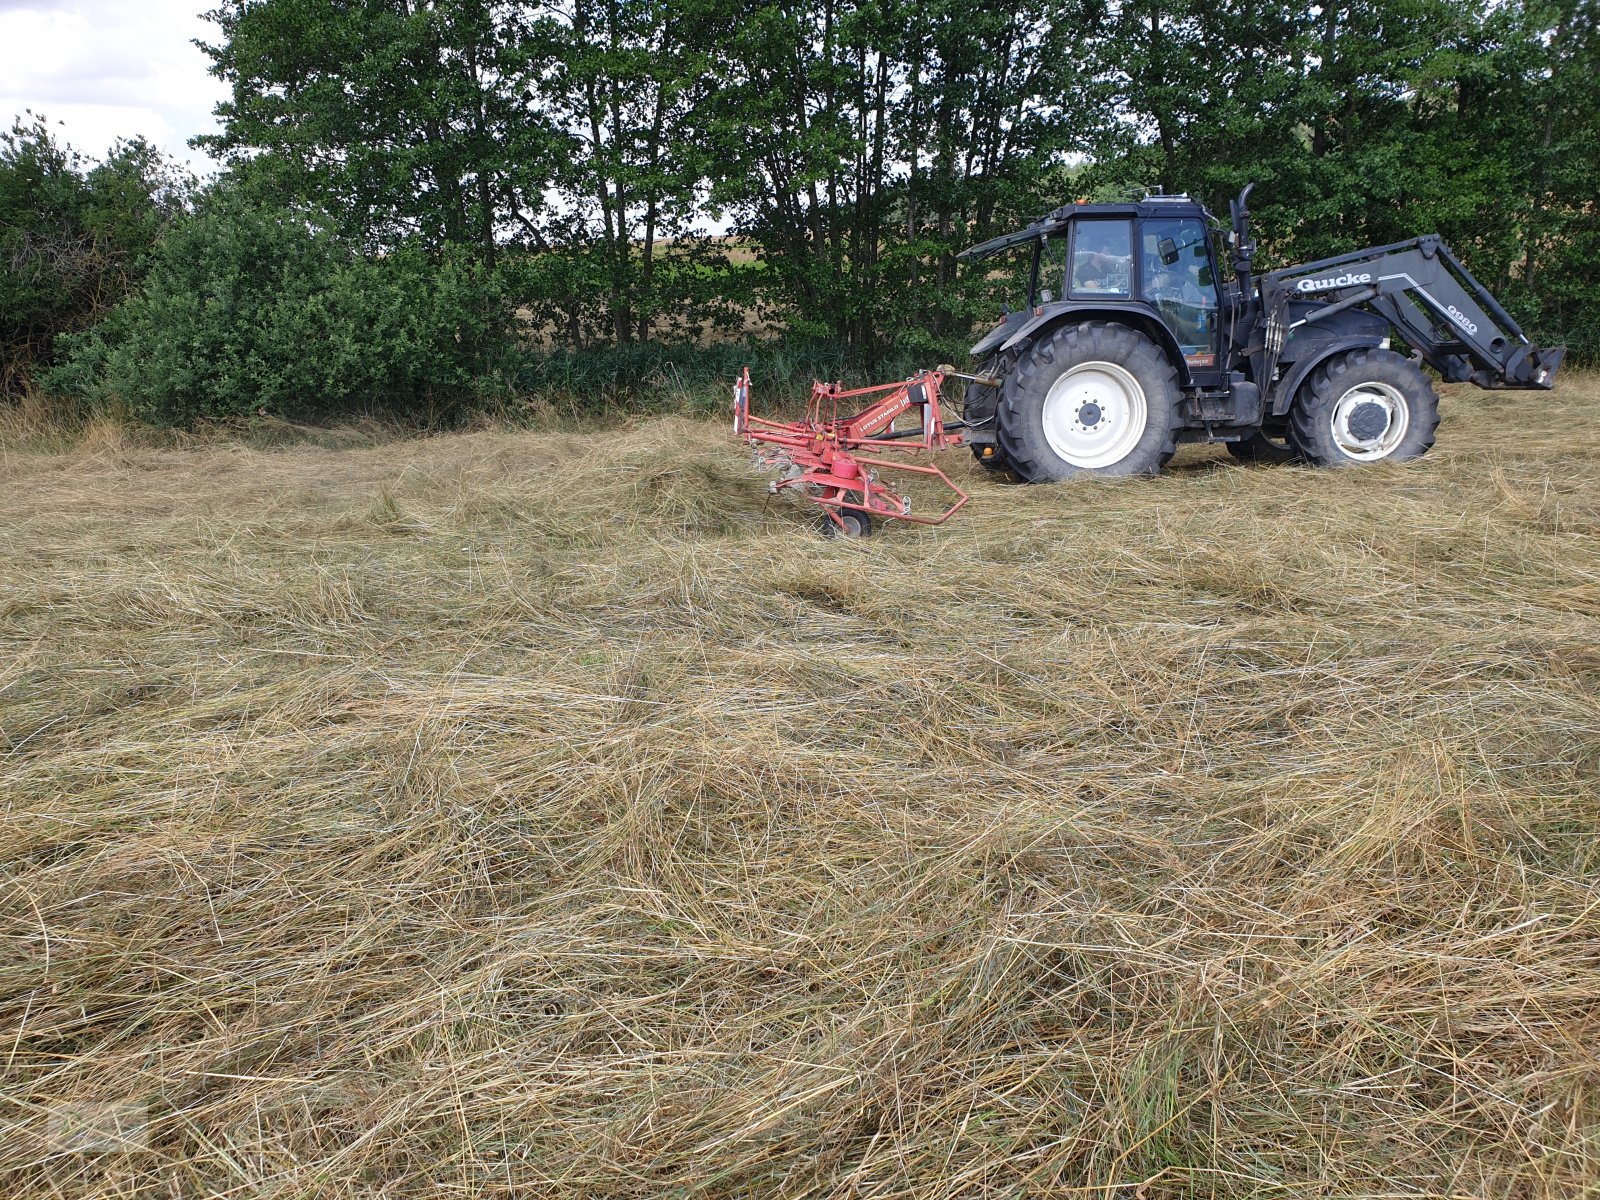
column 1169, row 251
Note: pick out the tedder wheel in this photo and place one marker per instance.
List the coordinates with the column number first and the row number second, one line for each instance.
column 856, row 524
column 1090, row 399
column 1366, row 406
column 1262, row 447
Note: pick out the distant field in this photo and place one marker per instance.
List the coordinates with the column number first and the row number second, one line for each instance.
column 522, row 815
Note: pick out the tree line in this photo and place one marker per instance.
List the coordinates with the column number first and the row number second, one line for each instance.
column 596, row 175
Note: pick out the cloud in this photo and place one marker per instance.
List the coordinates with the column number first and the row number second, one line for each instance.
column 100, row 70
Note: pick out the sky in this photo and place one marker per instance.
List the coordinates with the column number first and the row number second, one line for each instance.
column 98, row 70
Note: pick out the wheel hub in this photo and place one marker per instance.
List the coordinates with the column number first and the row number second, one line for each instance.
column 1094, row 414
column 1370, row 421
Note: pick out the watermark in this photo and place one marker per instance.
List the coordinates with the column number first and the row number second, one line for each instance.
column 97, row 1127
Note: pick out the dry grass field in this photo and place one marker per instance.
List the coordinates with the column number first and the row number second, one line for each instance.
column 511, row 814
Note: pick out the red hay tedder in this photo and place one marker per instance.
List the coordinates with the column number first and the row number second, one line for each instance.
column 821, row 456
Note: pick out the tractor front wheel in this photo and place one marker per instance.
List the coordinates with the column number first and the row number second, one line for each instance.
column 1090, row 399
column 1364, row 407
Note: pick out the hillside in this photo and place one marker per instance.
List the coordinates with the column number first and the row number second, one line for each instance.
column 516, row 814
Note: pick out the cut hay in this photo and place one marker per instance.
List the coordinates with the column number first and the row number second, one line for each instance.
column 520, row 815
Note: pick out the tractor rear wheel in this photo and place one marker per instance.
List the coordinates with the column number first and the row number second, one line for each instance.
column 1090, row 399
column 1364, row 407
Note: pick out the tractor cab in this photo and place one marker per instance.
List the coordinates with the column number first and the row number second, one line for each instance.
column 1150, row 262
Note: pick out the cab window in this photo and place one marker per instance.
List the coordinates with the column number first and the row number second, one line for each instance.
column 1102, row 258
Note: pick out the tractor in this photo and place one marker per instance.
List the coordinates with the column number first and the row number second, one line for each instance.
column 1133, row 342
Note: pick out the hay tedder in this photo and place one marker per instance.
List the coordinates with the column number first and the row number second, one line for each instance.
column 839, row 454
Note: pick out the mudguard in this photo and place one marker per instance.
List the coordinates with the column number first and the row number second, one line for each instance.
column 1300, row 370
column 1144, row 318
column 1002, row 332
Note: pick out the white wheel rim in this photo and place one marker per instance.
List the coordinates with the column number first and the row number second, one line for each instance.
column 1095, row 414
column 1370, row 421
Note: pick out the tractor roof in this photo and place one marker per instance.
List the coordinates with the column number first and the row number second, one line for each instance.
column 1055, row 222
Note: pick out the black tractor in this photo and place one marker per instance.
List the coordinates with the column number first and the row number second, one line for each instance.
column 1132, row 342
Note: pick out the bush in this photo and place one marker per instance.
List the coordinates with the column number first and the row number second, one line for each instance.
column 74, row 238
column 662, row 376
column 261, row 311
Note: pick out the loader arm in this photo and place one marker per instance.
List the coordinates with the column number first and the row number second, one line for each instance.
column 1420, row 288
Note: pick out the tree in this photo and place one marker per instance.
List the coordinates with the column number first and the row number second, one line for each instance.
column 861, row 145
column 574, row 147
column 405, row 119
column 1369, row 123
column 74, row 237
column 627, row 80
column 251, row 310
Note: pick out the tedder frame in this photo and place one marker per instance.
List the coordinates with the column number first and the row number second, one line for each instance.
column 838, row 461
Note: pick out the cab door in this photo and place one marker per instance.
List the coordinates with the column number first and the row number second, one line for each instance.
column 1178, row 279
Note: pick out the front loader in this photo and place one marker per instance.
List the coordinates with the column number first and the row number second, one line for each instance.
column 1132, row 342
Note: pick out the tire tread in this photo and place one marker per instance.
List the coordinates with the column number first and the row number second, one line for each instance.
column 1072, row 341
column 1332, row 379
